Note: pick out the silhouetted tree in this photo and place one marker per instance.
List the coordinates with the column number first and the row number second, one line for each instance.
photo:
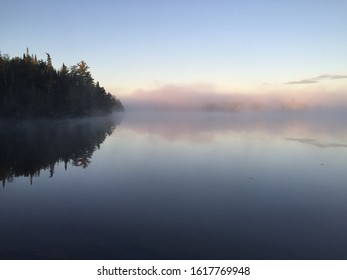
column 33, row 88
column 49, row 62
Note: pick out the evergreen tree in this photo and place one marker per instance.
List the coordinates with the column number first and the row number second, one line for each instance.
column 49, row 62
column 33, row 88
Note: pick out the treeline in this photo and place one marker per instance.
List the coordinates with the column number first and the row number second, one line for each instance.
column 33, row 88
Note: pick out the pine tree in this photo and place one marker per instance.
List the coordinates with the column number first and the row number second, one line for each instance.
column 29, row 88
column 49, row 62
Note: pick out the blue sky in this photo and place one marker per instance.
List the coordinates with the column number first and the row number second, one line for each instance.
column 232, row 45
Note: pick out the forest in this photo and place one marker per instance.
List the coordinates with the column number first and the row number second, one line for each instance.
column 32, row 88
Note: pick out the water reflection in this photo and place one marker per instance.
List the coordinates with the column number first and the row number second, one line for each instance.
column 178, row 186
column 205, row 127
column 28, row 147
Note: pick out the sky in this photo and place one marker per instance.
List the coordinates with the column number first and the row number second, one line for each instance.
column 137, row 48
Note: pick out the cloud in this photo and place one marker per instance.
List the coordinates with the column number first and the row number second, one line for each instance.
column 331, row 77
column 317, row 79
column 316, row 143
column 300, row 82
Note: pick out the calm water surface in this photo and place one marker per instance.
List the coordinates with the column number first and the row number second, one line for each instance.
column 175, row 186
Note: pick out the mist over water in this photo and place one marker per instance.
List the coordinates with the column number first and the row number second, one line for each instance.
column 197, row 126
column 178, row 185
column 206, row 98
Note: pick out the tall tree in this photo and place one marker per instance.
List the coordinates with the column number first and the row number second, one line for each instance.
column 49, row 62
column 31, row 87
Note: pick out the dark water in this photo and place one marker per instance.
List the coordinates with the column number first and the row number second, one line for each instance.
column 175, row 186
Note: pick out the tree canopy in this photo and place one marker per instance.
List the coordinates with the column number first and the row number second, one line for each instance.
column 33, row 88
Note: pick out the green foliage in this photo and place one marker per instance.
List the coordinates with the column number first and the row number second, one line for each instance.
column 33, row 88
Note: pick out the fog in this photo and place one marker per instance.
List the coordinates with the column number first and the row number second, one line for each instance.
column 199, row 112
column 327, row 128
column 206, row 98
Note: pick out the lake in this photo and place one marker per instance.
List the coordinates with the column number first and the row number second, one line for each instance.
column 175, row 186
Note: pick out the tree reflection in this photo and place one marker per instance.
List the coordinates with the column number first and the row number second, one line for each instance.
column 26, row 147
column 83, row 160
